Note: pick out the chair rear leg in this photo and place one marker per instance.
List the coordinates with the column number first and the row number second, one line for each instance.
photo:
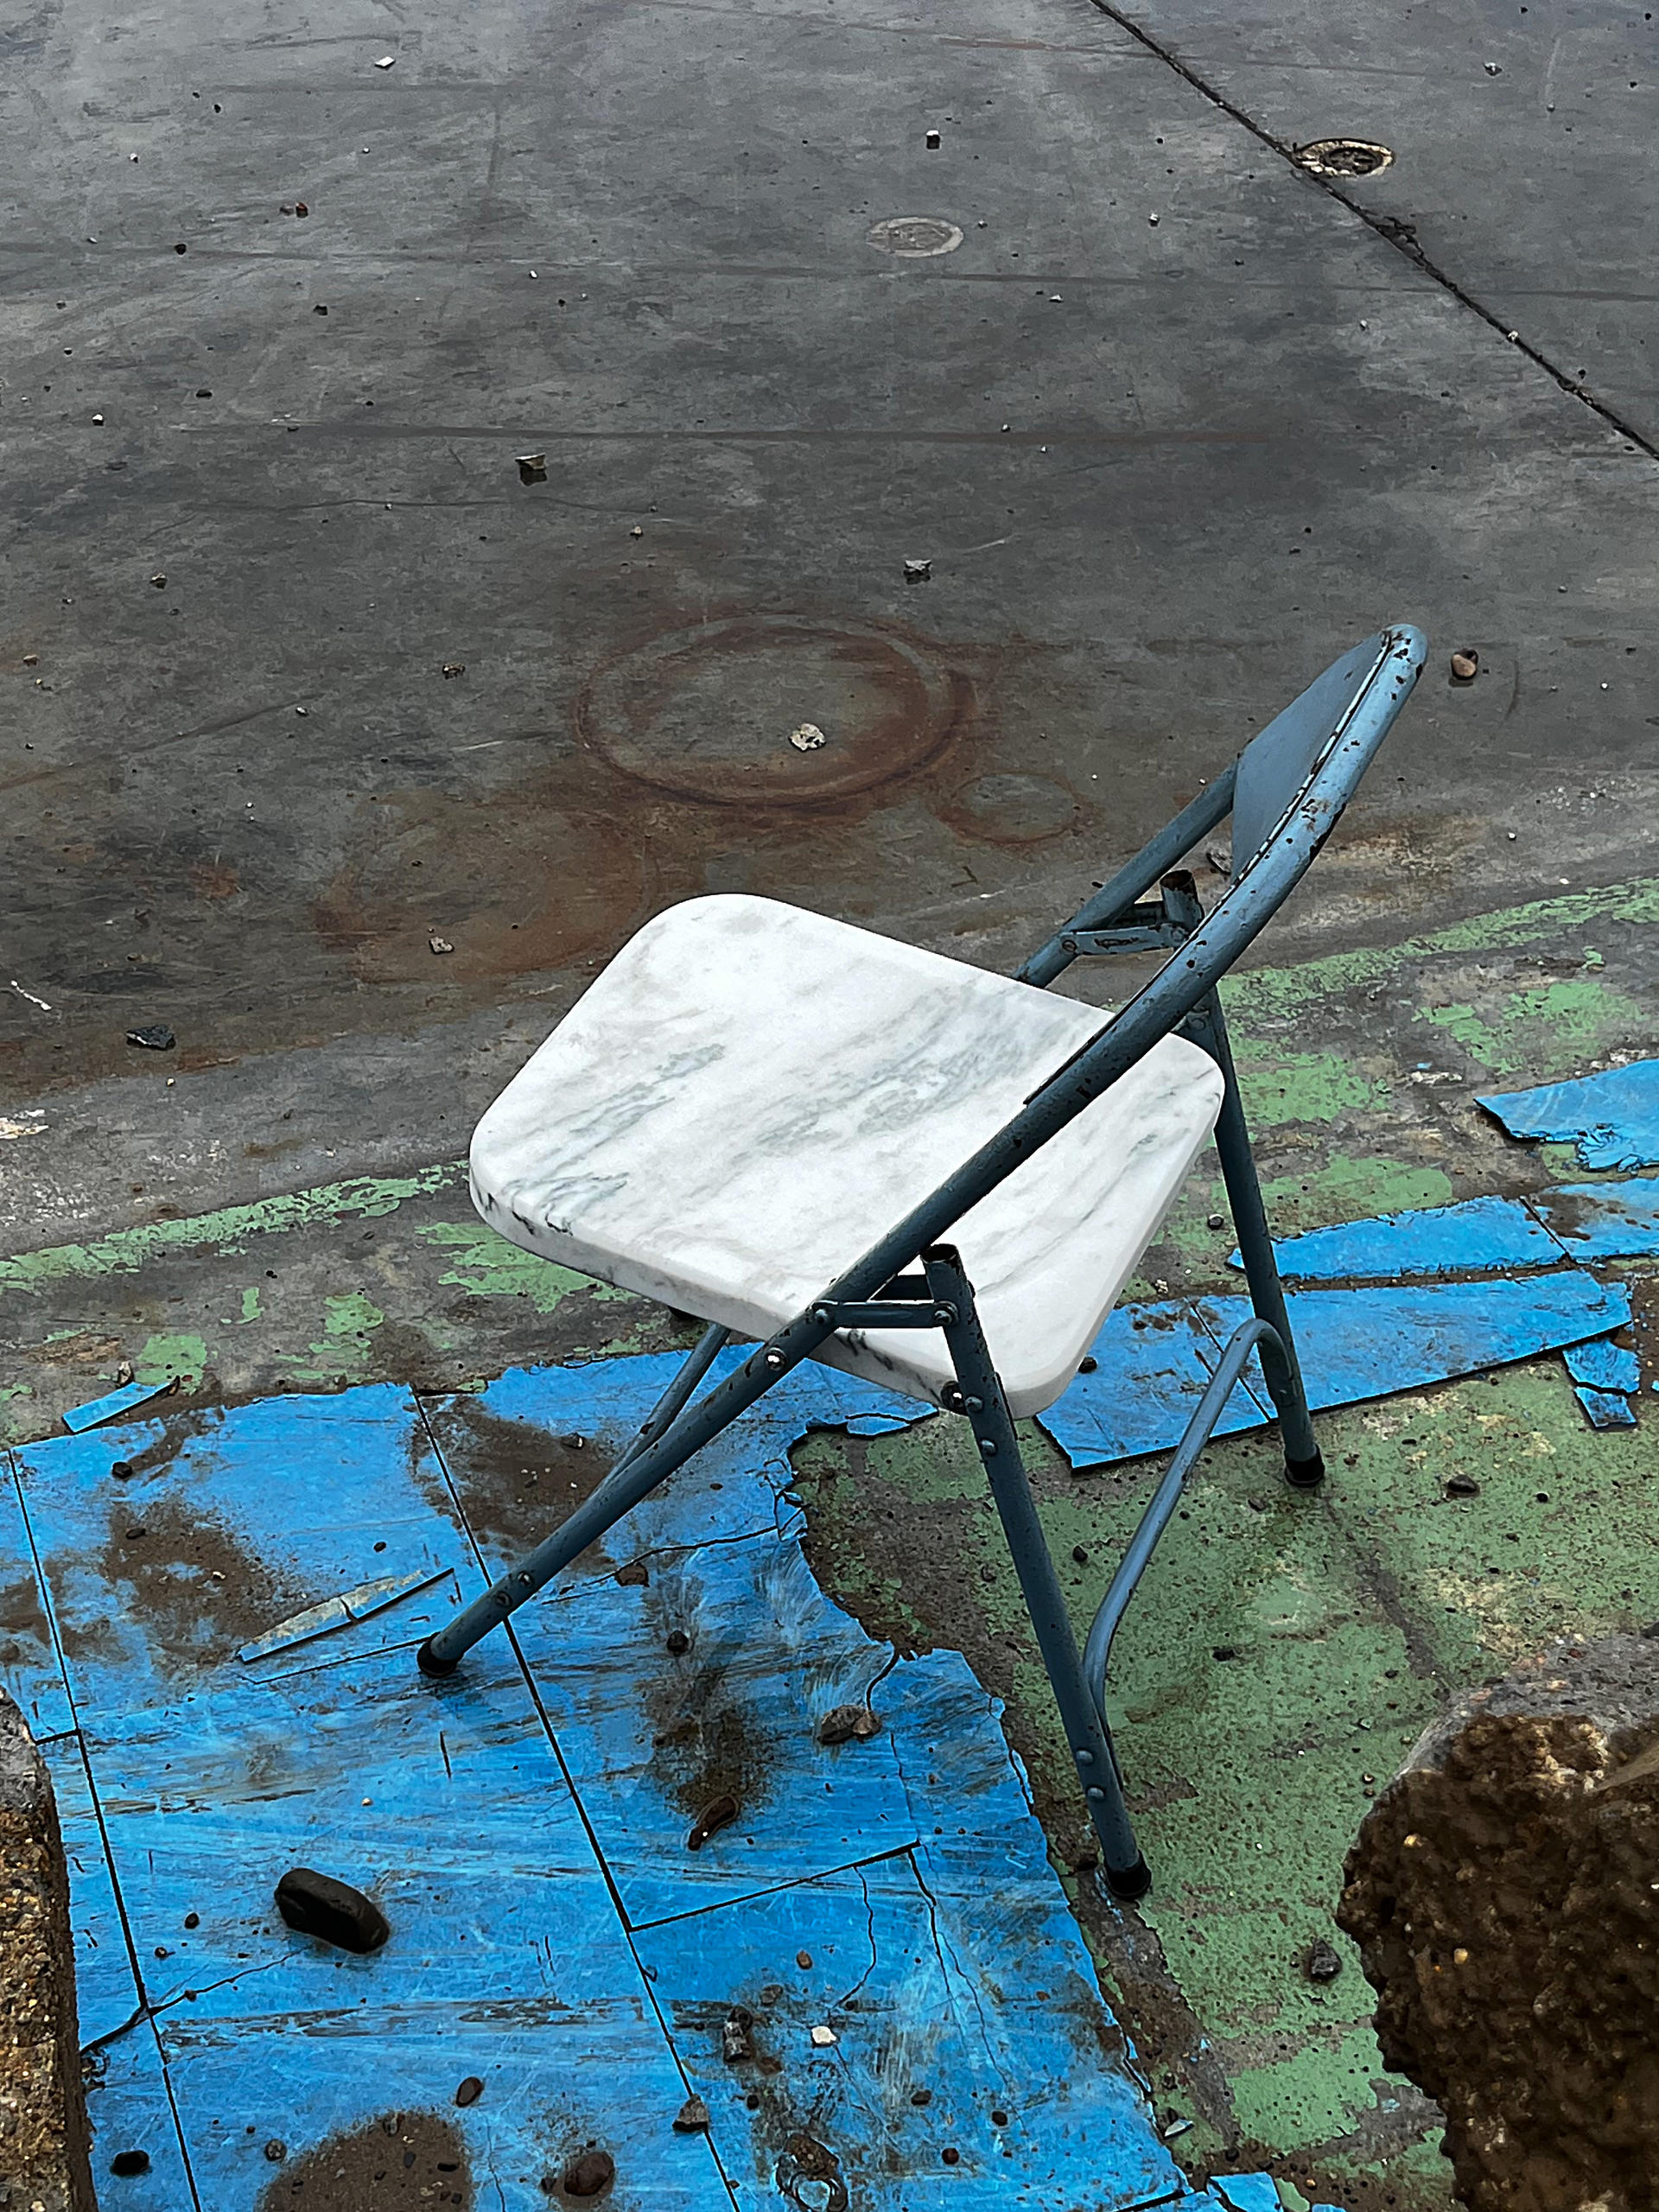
column 981, row 1398
column 1304, row 1463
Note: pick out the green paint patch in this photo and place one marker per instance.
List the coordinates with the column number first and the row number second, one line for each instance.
column 1349, row 1190
column 1281, row 1088
column 484, row 1264
column 183, row 1355
column 343, row 1350
column 1325, row 2091
column 226, row 1231
column 1553, row 1030
column 1261, row 995
column 250, row 1304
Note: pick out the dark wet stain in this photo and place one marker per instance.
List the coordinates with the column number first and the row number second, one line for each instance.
column 576, row 2155
column 191, row 1586
column 706, row 1743
column 413, row 2159
column 516, row 1482
column 23, row 1621
column 189, row 1426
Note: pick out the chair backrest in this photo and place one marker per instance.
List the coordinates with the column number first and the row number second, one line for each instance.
column 1287, row 792
column 1277, row 766
column 1355, row 699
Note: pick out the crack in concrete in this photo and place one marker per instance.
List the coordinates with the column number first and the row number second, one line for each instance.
column 1388, row 228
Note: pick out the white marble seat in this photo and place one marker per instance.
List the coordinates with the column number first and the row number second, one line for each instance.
column 750, row 1095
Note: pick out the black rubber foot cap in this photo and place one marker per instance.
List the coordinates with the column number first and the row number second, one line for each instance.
column 1305, row 1474
column 429, row 1664
column 1129, row 1882
column 318, row 1906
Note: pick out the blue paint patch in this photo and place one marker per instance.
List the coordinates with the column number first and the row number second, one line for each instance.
column 291, row 1500
column 129, row 2107
column 1475, row 1236
column 1247, row 2192
column 1353, row 1344
column 1152, row 1364
column 509, row 1809
column 1604, row 1365
column 114, row 1403
column 106, row 1989
column 1606, row 1409
column 1603, row 1221
column 953, row 1973
column 1613, row 1118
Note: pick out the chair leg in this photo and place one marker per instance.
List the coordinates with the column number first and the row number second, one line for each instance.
column 981, row 1398
column 616, row 1496
column 1304, row 1463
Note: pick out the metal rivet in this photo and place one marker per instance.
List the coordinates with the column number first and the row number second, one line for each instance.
column 975, row 1405
column 774, row 1358
column 945, row 1315
column 1085, row 1758
column 823, row 1313
column 1095, row 1791
column 988, row 1446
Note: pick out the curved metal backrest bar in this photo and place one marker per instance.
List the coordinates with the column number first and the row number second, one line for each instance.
column 1190, row 974
column 1259, row 790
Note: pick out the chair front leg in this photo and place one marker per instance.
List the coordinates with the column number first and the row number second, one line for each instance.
column 980, row 1395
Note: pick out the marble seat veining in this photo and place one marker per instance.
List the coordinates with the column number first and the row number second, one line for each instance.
column 749, row 1095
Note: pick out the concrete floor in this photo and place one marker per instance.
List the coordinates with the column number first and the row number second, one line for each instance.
column 640, row 242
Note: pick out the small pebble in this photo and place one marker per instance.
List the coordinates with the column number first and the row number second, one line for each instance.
column 1466, row 664
column 276, row 2151
column 469, row 2091
column 822, row 2038
column 692, row 2116
column 678, row 1641
column 803, row 1958
column 590, row 2174
column 128, row 2162
column 1322, row 1962
column 192, row 1920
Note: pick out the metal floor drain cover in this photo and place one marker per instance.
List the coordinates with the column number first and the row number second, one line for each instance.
column 1345, row 156
column 914, row 237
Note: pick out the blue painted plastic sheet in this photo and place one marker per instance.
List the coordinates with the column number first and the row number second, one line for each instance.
column 500, row 1853
column 1604, row 1365
column 1606, row 1408
column 113, row 1404
column 1476, row 1236
column 1603, row 1221
column 1613, row 1118
column 1354, row 1345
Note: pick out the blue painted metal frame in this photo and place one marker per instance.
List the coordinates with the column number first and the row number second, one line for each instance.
column 1285, row 792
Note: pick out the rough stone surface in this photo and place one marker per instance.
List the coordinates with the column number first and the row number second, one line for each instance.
column 43, row 2149
column 1503, row 1892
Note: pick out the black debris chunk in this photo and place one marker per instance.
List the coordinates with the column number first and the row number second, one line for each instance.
column 316, row 1904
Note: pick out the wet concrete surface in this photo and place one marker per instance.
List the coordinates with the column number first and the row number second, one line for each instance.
column 1516, row 131
column 388, row 693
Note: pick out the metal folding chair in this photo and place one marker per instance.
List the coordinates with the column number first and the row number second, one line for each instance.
column 772, row 1119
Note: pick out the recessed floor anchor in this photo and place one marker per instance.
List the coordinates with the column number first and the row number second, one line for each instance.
column 1345, row 156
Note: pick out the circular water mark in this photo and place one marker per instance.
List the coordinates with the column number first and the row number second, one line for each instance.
column 715, row 712
column 1346, row 156
column 914, row 237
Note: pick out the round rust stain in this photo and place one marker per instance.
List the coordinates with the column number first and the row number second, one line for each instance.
column 706, row 712
column 1012, row 809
